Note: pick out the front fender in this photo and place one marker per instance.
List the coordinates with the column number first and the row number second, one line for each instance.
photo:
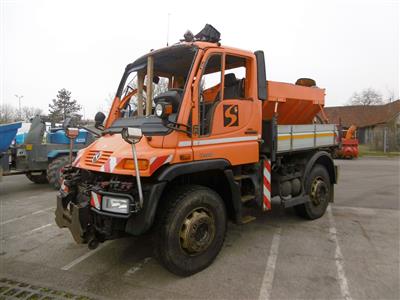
column 141, row 222
column 173, row 171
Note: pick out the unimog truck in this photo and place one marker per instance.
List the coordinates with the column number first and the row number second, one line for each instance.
column 197, row 136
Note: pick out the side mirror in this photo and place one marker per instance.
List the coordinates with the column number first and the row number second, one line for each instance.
column 99, row 119
column 131, row 135
column 163, row 110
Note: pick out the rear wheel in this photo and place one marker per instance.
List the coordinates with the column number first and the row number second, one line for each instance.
column 320, row 190
column 191, row 230
column 54, row 175
column 37, row 178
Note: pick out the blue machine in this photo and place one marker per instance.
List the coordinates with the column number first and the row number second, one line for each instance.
column 20, row 138
column 7, row 135
column 57, row 136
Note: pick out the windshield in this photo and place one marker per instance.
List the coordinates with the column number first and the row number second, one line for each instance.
column 171, row 68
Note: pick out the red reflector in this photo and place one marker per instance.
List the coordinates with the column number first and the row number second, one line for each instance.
column 95, row 200
column 64, row 187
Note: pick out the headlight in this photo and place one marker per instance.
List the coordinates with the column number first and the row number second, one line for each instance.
column 159, row 110
column 116, row 205
column 163, row 110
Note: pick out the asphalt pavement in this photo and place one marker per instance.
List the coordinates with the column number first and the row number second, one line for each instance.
column 350, row 253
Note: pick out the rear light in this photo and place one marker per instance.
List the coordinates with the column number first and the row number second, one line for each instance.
column 130, row 164
column 95, row 200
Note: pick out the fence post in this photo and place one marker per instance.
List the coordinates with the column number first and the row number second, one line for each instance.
column 385, row 140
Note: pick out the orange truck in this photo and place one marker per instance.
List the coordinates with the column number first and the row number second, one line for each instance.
column 197, row 136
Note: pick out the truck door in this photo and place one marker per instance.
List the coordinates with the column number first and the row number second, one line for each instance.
column 227, row 112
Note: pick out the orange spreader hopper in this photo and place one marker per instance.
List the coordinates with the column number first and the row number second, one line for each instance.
column 296, row 104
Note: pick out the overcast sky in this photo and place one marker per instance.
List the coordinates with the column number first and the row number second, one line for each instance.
column 83, row 46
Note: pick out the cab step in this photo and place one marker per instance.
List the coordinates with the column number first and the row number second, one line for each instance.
column 246, row 198
column 247, row 219
column 241, row 177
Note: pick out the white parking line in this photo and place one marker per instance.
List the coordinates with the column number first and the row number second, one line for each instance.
column 27, row 232
column 344, row 286
column 266, row 287
column 83, row 257
column 27, row 215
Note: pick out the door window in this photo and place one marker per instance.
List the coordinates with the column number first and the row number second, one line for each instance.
column 210, row 92
column 235, row 77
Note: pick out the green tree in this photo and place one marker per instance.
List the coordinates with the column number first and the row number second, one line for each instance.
column 63, row 106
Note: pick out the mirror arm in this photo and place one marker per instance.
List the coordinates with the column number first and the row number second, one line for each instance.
column 91, row 130
column 188, row 132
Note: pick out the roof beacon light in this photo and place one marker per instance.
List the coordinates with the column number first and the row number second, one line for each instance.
column 207, row 34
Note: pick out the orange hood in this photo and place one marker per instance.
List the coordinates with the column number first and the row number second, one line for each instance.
column 109, row 153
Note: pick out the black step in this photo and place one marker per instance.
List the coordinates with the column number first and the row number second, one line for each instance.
column 241, row 177
column 246, row 198
column 247, row 219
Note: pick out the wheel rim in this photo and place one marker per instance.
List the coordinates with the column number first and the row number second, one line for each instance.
column 197, row 231
column 319, row 191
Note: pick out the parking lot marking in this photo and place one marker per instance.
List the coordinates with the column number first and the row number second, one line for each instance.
column 344, row 286
column 27, row 215
column 27, row 232
column 83, row 257
column 266, row 287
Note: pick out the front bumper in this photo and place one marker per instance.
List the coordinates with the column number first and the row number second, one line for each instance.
column 74, row 217
column 86, row 222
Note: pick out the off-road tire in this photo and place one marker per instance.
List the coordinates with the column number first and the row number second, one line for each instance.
column 310, row 210
column 172, row 213
column 54, row 170
column 39, row 179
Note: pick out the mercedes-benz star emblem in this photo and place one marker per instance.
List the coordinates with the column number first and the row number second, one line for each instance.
column 96, row 157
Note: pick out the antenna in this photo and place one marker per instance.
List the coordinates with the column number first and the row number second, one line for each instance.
column 168, row 30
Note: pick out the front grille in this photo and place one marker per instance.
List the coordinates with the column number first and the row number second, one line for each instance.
column 101, row 161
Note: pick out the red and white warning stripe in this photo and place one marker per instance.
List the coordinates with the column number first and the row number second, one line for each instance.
column 63, row 187
column 267, row 185
column 75, row 163
column 95, row 200
column 110, row 164
column 158, row 161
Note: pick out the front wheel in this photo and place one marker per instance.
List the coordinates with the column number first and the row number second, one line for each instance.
column 37, row 178
column 320, row 190
column 54, row 169
column 191, row 229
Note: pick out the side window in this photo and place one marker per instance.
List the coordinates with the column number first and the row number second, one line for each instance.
column 209, row 92
column 235, row 77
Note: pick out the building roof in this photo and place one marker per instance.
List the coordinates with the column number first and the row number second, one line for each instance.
column 361, row 115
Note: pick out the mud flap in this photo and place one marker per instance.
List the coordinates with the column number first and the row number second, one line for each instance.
column 74, row 217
